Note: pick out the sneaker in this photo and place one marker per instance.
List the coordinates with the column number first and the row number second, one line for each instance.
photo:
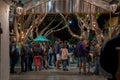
column 13, row 72
column 66, row 69
column 46, row 68
column 63, row 69
column 79, row 73
column 84, row 73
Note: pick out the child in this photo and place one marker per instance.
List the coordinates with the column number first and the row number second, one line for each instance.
column 64, row 57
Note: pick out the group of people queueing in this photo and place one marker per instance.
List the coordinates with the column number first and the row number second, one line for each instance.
column 43, row 55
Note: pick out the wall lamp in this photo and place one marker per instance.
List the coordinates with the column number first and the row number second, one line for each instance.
column 19, row 7
column 113, row 5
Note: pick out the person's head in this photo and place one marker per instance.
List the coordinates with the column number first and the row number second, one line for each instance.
column 58, row 40
column 95, row 42
column 85, row 41
column 64, row 46
column 51, row 45
column 13, row 40
column 40, row 44
column 37, row 44
column 32, row 42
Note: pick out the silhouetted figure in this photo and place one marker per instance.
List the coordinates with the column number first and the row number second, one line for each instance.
column 14, row 55
column 109, row 56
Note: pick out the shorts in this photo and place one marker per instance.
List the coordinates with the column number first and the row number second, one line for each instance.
column 45, row 57
column 82, row 59
column 58, row 57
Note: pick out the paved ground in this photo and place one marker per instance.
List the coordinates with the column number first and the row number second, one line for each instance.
column 53, row 74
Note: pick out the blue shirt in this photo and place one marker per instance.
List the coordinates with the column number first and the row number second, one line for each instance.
column 57, row 48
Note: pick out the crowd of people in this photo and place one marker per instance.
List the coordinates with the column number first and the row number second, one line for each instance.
column 44, row 54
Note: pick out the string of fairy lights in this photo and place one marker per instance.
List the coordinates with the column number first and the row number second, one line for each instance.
column 93, row 24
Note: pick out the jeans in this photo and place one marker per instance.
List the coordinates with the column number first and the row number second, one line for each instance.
column 24, row 63
column 30, row 63
column 50, row 58
column 89, row 65
column 64, row 62
column 97, row 66
column 13, row 63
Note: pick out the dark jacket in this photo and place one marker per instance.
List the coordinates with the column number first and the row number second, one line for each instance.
column 81, row 49
column 109, row 55
column 38, row 51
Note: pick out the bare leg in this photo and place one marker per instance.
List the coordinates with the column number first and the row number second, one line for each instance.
column 80, row 67
column 84, row 67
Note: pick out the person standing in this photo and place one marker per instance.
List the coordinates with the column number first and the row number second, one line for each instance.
column 45, row 53
column 64, row 57
column 50, row 54
column 81, row 52
column 14, row 55
column 109, row 56
column 24, row 56
column 38, row 53
column 97, row 54
column 57, row 52
column 30, row 53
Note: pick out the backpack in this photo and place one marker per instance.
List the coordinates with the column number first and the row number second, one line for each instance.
column 38, row 51
column 25, row 50
column 75, row 52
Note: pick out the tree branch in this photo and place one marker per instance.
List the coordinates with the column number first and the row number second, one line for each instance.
column 74, row 35
column 53, row 28
column 37, row 22
column 41, row 33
